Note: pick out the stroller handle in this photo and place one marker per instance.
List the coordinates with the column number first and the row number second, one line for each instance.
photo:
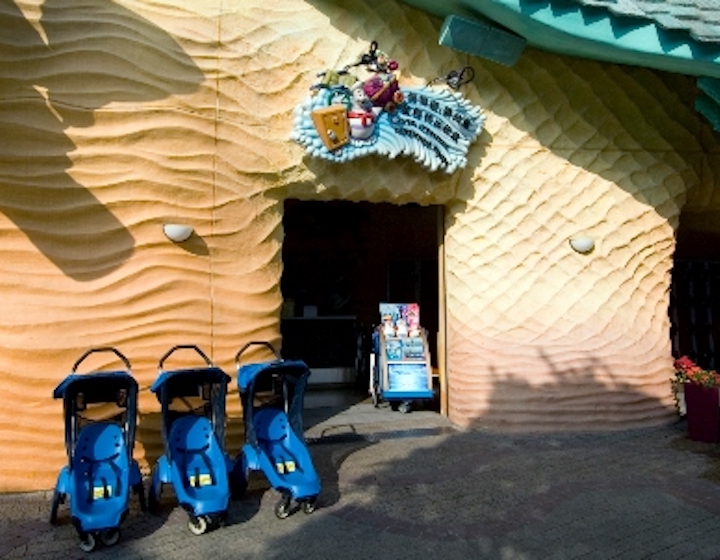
column 184, row 347
column 102, row 349
column 256, row 343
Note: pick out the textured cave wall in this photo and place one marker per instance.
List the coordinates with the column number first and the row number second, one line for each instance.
column 191, row 125
column 540, row 336
column 700, row 221
column 120, row 116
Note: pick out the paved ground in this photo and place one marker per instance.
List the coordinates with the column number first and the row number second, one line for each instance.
column 410, row 486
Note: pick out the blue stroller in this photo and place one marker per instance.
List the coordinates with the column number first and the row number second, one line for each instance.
column 193, row 431
column 100, row 409
column 274, row 438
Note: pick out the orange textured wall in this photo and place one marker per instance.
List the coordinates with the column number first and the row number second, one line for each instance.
column 124, row 115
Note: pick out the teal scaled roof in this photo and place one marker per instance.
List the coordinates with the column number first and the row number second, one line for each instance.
column 661, row 34
column 700, row 18
column 680, row 36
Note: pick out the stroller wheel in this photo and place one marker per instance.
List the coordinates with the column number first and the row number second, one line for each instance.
column 282, row 508
column 309, row 506
column 197, row 525
column 87, row 542
column 56, row 501
column 110, row 537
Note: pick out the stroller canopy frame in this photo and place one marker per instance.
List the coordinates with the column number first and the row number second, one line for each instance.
column 287, row 378
column 78, row 390
column 209, row 382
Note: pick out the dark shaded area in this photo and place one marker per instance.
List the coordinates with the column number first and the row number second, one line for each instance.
column 195, row 245
column 694, row 245
column 82, row 57
column 695, row 298
column 482, row 495
column 343, row 259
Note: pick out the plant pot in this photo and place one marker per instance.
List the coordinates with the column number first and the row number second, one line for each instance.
column 703, row 412
column 679, row 393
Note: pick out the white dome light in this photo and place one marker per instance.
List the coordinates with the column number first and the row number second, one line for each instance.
column 177, row 232
column 582, row 243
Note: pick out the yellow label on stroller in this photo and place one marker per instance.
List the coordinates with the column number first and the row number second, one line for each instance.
column 286, row 467
column 200, row 480
column 101, row 492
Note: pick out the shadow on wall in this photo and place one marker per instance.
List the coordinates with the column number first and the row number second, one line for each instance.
column 631, row 126
column 589, row 396
column 54, row 73
column 596, row 116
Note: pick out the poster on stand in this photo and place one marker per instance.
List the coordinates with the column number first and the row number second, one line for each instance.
column 404, row 353
column 407, row 378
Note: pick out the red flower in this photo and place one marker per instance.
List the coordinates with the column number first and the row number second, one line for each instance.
column 688, row 371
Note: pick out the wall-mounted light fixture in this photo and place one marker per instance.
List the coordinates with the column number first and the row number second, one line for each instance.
column 177, row 232
column 582, row 243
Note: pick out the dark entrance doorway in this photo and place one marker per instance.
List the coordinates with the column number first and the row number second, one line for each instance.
column 695, row 298
column 341, row 260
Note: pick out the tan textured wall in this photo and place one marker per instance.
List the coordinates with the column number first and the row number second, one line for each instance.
column 191, row 125
column 555, row 339
column 701, row 212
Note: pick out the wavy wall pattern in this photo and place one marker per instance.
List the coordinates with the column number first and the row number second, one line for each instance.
column 139, row 112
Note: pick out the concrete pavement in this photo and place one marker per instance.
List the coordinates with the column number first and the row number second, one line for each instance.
column 411, row 486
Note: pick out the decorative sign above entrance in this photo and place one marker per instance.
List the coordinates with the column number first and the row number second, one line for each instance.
column 347, row 117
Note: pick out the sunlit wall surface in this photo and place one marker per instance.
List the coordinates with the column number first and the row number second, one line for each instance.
column 120, row 116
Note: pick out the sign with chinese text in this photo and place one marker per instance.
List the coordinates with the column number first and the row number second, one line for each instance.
column 349, row 117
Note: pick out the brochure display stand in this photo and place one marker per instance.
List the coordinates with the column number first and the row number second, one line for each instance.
column 401, row 360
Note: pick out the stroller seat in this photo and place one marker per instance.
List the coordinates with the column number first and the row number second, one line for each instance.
column 194, row 461
column 272, row 396
column 100, row 413
column 100, row 467
column 279, row 444
column 194, row 454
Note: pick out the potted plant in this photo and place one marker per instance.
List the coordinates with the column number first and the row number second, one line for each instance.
column 702, row 399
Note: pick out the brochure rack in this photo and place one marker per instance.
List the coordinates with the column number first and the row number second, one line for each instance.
column 401, row 367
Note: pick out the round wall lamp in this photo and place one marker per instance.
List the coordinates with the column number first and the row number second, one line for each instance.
column 177, row 232
column 582, row 243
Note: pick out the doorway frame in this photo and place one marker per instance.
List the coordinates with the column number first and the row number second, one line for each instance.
column 442, row 313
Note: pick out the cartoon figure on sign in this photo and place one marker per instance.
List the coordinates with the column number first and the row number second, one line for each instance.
column 362, row 114
column 350, row 115
column 382, row 88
